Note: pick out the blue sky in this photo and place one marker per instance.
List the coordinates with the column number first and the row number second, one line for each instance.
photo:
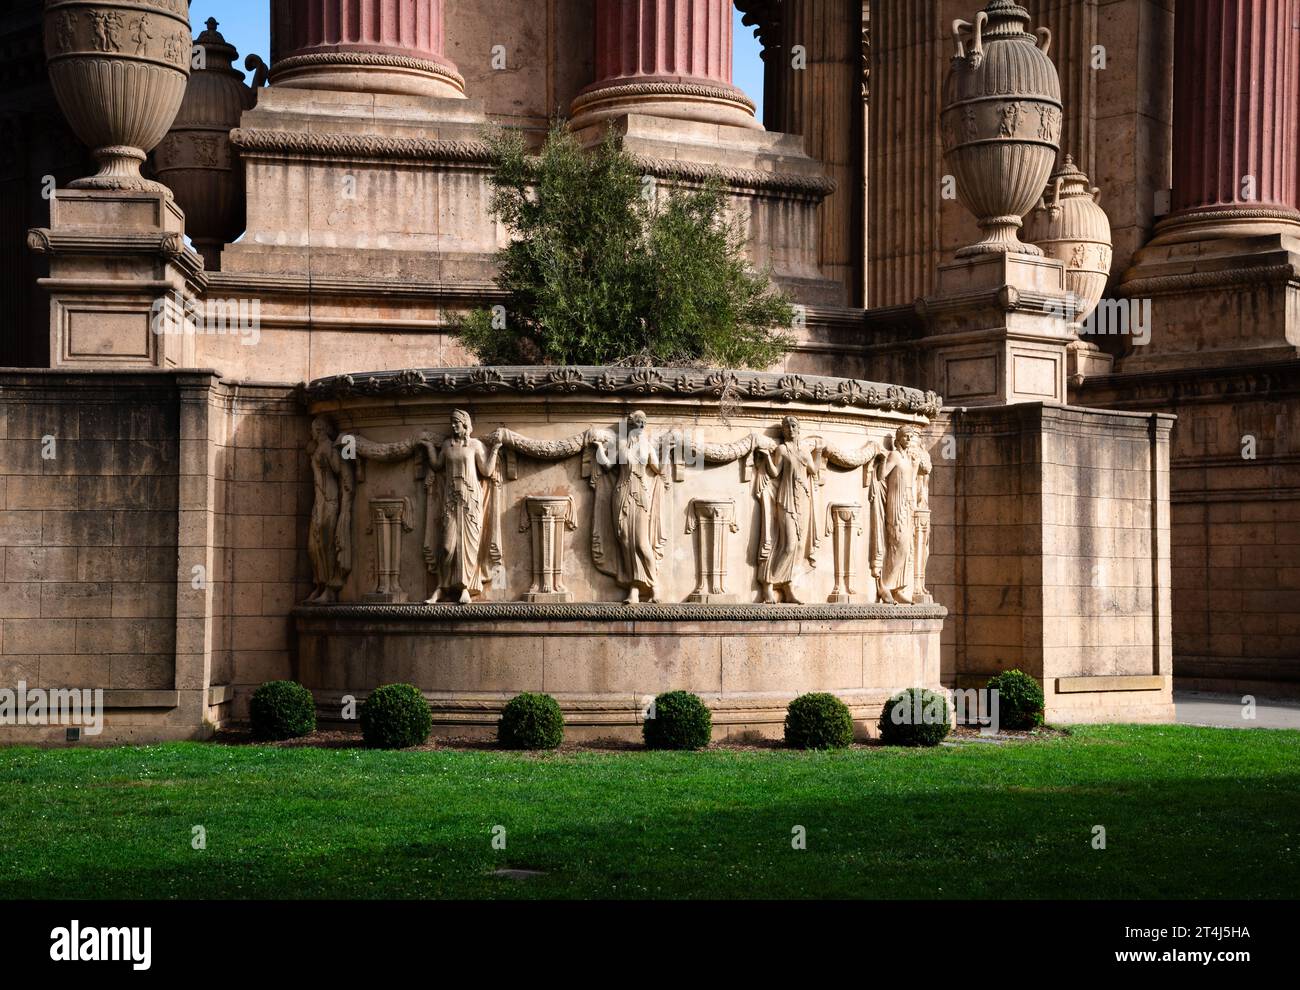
column 246, row 24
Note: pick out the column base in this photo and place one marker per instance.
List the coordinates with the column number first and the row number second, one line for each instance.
column 678, row 99
column 369, row 72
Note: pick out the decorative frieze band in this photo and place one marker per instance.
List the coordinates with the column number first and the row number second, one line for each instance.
column 309, row 143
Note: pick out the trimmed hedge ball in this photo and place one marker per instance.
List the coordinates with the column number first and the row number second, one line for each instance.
column 818, row 721
column 531, row 721
column 282, row 710
column 681, row 721
column 915, row 717
column 1020, row 700
column 395, row 716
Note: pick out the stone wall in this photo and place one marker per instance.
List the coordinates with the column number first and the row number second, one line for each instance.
column 1051, row 552
column 1235, row 492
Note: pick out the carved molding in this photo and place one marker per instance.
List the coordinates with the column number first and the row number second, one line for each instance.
column 332, row 145
column 817, row 186
column 649, row 90
column 618, row 612
column 365, row 60
column 643, row 382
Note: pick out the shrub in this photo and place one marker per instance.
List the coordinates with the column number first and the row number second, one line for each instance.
column 531, row 721
column 915, row 717
column 1020, row 700
column 282, row 710
column 599, row 273
column 395, row 716
column 681, row 721
column 818, row 721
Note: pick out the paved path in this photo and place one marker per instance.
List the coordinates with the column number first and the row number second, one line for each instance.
column 1225, row 710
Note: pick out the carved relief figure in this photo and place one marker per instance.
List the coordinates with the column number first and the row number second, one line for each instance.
column 898, row 477
column 67, row 31
column 628, row 536
column 786, row 486
column 142, row 35
column 462, row 560
column 1010, row 114
column 920, row 593
column 107, row 24
column 329, row 536
column 172, row 47
column 972, row 125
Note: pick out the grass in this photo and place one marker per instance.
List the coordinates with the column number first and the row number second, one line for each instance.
column 1188, row 812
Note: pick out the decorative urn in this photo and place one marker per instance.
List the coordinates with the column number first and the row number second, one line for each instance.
column 1070, row 225
column 119, row 71
column 1001, row 122
column 196, row 159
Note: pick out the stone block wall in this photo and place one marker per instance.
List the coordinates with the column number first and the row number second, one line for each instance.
column 1235, row 512
column 151, row 543
column 1050, row 536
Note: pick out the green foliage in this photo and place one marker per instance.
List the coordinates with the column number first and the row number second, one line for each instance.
column 818, row 721
column 1020, row 700
column 602, row 273
column 395, row 716
column 681, row 721
column 282, row 710
column 531, row 721
column 915, row 717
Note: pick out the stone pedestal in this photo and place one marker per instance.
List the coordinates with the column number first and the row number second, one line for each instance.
column 122, row 282
column 389, row 518
column 996, row 331
column 1223, row 271
column 365, row 46
column 844, row 525
column 711, row 520
column 547, row 517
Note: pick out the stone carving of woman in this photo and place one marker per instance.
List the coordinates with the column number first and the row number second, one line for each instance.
column 461, row 561
column 786, row 486
column 627, row 536
column 329, row 536
column 898, row 478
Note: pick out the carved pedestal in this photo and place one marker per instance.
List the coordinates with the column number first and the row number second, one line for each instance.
column 921, row 554
column 389, row 518
column 843, row 522
column 547, row 517
column 712, row 520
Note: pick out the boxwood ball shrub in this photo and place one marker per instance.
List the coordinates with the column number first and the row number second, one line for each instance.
column 818, row 721
column 1020, row 700
column 915, row 717
column 681, row 721
column 531, row 721
column 282, row 710
column 395, row 716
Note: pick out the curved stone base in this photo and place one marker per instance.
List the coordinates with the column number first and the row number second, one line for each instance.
column 361, row 72
column 604, row 662
column 678, row 100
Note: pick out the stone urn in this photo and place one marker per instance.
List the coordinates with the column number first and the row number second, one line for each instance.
column 1070, row 225
column 196, row 159
column 119, row 71
column 1001, row 122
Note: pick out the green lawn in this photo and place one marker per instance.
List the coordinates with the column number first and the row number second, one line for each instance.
column 1188, row 813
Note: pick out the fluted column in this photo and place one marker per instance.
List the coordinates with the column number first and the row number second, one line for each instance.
column 368, row 46
column 666, row 58
column 1236, row 119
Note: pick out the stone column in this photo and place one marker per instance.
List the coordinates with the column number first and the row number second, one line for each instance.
column 843, row 523
column 1236, row 119
column 368, row 46
column 389, row 518
column 547, row 517
column 665, row 58
column 713, row 519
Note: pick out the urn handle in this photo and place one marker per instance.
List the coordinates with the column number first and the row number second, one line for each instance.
column 1096, row 195
column 1044, row 39
column 977, row 42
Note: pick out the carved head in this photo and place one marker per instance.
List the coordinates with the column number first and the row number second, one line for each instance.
column 636, row 422
column 790, row 428
column 461, row 424
column 904, row 436
column 321, row 430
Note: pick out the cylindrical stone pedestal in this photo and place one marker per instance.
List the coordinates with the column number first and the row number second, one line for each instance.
column 365, row 46
column 666, row 58
column 1236, row 119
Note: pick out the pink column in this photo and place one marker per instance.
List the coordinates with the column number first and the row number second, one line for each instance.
column 1236, row 117
column 668, row 58
column 370, row 46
